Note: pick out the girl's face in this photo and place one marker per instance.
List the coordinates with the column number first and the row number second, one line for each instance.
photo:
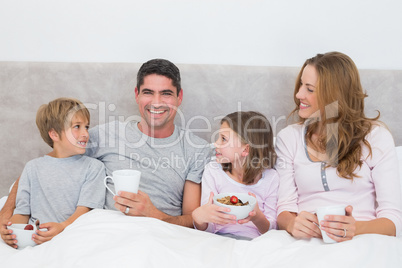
column 229, row 147
column 307, row 93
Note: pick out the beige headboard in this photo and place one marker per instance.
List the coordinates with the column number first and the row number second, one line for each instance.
column 210, row 92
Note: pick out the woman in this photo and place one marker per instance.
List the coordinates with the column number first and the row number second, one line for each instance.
column 335, row 155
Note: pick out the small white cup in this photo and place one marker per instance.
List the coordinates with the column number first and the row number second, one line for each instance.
column 126, row 180
column 330, row 210
column 24, row 237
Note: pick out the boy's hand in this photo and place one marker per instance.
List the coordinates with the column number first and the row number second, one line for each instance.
column 7, row 234
column 53, row 229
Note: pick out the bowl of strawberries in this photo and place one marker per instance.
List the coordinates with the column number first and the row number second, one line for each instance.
column 24, row 234
column 240, row 204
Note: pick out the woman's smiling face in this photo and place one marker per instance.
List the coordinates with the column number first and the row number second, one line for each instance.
column 307, row 94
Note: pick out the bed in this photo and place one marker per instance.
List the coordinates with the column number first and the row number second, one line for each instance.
column 103, row 238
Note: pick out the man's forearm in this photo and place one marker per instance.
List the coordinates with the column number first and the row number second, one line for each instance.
column 8, row 208
column 184, row 220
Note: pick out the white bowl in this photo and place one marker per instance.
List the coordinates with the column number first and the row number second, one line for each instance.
column 241, row 212
column 24, row 237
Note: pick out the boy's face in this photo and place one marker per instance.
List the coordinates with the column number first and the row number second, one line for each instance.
column 74, row 138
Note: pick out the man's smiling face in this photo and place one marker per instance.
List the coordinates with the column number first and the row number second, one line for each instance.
column 158, row 103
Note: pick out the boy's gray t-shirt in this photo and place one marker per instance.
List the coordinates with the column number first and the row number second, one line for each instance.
column 50, row 189
column 165, row 163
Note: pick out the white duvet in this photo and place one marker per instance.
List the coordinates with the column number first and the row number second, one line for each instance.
column 104, row 238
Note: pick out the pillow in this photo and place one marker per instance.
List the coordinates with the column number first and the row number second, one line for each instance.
column 2, row 201
column 399, row 155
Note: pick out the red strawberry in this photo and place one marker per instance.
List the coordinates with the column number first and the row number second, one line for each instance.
column 234, row 199
column 28, row 227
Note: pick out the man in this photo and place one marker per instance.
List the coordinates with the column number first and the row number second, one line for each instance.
column 170, row 159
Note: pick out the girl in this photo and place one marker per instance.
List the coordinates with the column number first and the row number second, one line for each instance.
column 335, row 154
column 244, row 159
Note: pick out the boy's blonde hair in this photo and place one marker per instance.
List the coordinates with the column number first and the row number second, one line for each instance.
column 57, row 115
column 254, row 129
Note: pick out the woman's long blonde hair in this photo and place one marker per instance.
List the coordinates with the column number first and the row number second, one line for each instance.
column 342, row 126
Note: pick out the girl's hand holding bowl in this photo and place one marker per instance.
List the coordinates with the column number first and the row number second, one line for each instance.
column 241, row 212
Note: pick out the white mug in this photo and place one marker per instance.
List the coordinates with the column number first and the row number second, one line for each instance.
column 126, row 180
column 330, row 210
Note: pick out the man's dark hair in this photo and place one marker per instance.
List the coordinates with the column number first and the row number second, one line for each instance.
column 160, row 67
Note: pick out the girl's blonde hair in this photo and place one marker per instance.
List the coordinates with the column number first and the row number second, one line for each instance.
column 254, row 129
column 342, row 124
column 57, row 115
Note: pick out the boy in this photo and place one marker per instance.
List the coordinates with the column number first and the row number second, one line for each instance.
column 64, row 184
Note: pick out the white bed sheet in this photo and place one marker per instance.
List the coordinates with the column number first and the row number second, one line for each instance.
column 103, row 238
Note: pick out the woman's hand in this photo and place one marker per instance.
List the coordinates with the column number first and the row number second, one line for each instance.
column 302, row 225
column 340, row 228
column 211, row 213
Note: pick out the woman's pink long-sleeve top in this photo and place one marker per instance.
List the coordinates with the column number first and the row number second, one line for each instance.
column 306, row 185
